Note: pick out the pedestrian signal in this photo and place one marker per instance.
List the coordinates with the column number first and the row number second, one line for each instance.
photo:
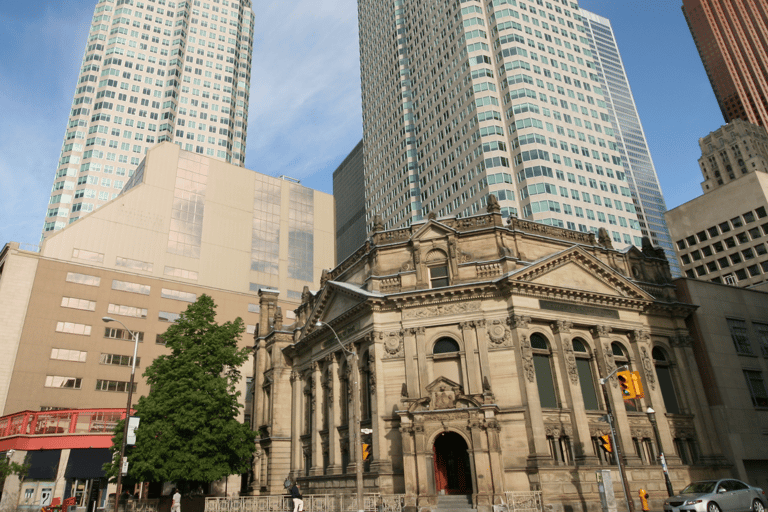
column 606, row 443
column 626, row 384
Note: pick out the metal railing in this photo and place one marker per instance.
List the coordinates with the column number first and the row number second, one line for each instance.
column 312, row 503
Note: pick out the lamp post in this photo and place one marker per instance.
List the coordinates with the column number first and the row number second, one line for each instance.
column 609, row 417
column 119, row 484
column 652, row 418
column 352, row 359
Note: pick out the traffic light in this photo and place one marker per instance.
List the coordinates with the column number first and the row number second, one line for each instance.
column 626, row 384
column 638, row 385
column 366, row 451
column 606, row 445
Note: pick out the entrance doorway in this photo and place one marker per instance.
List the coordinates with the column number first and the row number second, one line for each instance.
column 453, row 474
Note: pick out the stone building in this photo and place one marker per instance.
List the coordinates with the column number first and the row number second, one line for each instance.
column 481, row 346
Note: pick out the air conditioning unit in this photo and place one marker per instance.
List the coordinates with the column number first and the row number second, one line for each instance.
column 730, row 280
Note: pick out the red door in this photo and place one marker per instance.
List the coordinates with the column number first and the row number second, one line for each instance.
column 452, row 471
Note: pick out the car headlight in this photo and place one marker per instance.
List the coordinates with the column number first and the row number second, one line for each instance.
column 692, row 502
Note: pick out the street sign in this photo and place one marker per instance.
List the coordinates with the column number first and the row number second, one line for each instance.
column 366, row 430
column 133, row 424
column 124, row 470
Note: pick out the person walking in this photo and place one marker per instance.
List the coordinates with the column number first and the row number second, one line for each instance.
column 176, row 504
column 298, row 502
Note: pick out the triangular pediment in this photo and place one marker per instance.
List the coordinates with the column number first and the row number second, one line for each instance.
column 442, row 382
column 334, row 300
column 576, row 269
column 432, row 230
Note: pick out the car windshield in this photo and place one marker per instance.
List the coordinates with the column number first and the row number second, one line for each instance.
column 699, row 488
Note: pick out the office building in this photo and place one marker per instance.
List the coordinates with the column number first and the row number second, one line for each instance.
column 153, row 71
column 350, row 207
column 460, row 102
column 732, row 39
column 721, row 235
column 729, row 335
column 630, row 137
column 480, row 345
column 185, row 225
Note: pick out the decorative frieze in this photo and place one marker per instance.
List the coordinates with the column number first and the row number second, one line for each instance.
column 454, row 308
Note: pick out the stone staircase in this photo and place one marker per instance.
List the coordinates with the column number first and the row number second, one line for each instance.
column 454, row 503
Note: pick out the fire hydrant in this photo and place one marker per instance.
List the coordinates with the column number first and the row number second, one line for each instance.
column 644, row 500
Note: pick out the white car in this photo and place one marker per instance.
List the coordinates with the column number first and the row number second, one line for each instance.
column 726, row 495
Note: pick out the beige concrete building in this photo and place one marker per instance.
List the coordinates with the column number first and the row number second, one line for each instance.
column 721, row 236
column 152, row 71
column 184, row 225
column 730, row 341
column 481, row 347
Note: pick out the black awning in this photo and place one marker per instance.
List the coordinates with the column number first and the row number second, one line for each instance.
column 87, row 463
column 43, row 464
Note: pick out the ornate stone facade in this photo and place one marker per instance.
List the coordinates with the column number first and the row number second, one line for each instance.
column 480, row 350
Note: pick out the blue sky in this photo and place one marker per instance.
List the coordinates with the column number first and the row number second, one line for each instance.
column 305, row 113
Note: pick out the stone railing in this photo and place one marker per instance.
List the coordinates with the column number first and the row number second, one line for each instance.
column 312, row 503
column 521, row 501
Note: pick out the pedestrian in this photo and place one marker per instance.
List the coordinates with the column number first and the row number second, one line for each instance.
column 176, row 505
column 298, row 502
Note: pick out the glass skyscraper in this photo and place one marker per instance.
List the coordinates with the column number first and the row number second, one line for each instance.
column 153, row 71
column 630, row 137
column 464, row 100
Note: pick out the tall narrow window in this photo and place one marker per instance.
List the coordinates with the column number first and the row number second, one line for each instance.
column 756, row 388
column 762, row 336
column 446, row 360
column 664, row 373
column 542, row 363
column 438, row 276
column 621, row 357
column 586, row 377
column 740, row 336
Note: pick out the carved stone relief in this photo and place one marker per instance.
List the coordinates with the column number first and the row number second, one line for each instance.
column 442, row 310
column 393, row 344
column 519, row 322
column 650, row 374
column 570, row 361
column 610, row 363
column 498, row 334
column 527, row 353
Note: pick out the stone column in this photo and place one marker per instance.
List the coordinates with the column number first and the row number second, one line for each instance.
column 481, row 462
column 296, row 384
column 474, row 380
column 317, row 424
column 481, row 333
column 493, row 433
column 538, row 451
column 410, row 475
column 260, row 414
column 582, row 441
column 421, row 351
column 334, row 416
column 425, row 474
column 600, row 335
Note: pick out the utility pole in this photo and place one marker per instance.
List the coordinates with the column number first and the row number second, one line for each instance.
column 614, row 436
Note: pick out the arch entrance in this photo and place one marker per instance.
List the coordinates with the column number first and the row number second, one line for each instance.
column 453, row 474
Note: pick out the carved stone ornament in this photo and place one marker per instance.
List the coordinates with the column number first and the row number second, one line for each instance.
column 371, row 372
column 681, row 341
column 527, row 353
column 561, row 326
column 519, row 322
column 601, row 331
column 498, row 334
column 442, row 310
column 393, row 344
column 294, row 376
column 650, row 374
column 610, row 363
column 570, row 361
column 641, row 337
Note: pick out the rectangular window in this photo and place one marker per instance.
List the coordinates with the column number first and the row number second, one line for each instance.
column 133, row 264
column 74, row 303
column 762, row 337
column 118, row 360
column 68, row 355
column 90, row 256
column 756, row 387
column 85, row 279
column 117, row 309
column 180, row 272
column 438, row 276
column 178, row 295
column 121, row 334
column 165, row 316
column 57, row 381
column 739, row 336
column 72, row 328
column 118, row 386
column 125, row 286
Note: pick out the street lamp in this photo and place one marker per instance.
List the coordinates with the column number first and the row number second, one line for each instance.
column 119, row 484
column 652, row 418
column 352, row 359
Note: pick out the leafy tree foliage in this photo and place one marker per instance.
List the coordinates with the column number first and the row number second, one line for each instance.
column 189, row 433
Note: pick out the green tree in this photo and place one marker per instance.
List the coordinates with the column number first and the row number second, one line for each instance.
column 189, row 433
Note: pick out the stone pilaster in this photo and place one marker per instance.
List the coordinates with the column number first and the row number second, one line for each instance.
column 474, row 379
column 296, row 384
column 334, row 415
column 316, row 404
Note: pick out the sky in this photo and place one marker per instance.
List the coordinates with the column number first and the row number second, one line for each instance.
column 305, row 113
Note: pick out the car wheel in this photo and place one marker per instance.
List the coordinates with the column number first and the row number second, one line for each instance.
column 757, row 506
column 713, row 507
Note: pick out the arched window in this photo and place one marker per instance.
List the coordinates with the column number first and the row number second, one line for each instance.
column 542, row 363
column 664, row 374
column 445, row 345
column 621, row 357
column 446, row 360
column 586, row 377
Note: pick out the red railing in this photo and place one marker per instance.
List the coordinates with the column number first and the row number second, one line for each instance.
column 62, row 422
